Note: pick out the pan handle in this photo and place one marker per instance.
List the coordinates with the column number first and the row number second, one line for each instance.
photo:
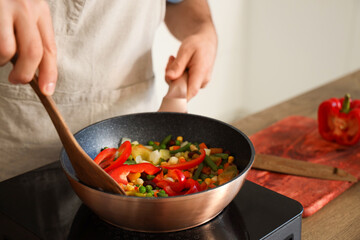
column 176, row 98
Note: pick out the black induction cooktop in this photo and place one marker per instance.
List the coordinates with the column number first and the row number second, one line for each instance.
column 40, row 204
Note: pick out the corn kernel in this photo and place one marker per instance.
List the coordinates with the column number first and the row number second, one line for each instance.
column 129, row 188
column 230, row 159
column 207, row 181
column 214, row 179
column 180, row 139
column 133, row 176
column 193, row 148
column 182, row 160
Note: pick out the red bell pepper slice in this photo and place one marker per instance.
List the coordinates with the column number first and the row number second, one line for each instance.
column 189, row 164
column 158, row 177
column 179, row 178
column 120, row 173
column 188, row 186
column 167, row 188
column 192, row 185
column 111, row 158
column 339, row 120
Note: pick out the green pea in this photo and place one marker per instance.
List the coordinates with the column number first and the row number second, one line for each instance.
column 149, row 188
column 142, row 189
column 162, row 194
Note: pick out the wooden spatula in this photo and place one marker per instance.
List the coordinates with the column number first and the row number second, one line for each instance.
column 86, row 169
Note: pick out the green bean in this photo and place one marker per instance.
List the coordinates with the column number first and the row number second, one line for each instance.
column 203, row 176
column 210, row 163
column 166, row 140
column 150, row 177
column 222, row 155
column 198, row 171
column 182, row 149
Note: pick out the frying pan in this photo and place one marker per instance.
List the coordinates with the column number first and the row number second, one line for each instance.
column 161, row 214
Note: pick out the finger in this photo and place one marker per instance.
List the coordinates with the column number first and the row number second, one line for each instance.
column 205, row 81
column 29, row 49
column 170, row 61
column 7, row 37
column 196, row 79
column 48, row 66
column 178, row 66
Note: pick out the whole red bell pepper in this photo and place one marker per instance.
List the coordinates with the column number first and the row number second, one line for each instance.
column 339, row 120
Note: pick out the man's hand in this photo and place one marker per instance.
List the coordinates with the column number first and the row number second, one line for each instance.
column 191, row 23
column 26, row 29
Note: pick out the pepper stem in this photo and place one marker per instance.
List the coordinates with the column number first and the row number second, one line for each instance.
column 346, row 104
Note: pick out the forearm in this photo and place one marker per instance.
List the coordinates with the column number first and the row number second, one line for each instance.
column 188, row 18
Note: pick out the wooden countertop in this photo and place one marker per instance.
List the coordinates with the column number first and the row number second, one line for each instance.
column 340, row 219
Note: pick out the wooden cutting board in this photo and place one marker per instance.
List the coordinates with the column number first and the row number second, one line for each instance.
column 297, row 137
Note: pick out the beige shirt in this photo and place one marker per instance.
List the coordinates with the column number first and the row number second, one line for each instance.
column 105, row 69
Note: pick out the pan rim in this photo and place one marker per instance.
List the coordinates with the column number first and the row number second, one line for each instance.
column 245, row 170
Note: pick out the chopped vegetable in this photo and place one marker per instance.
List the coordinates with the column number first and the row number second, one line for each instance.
column 111, row 158
column 167, row 168
column 188, row 165
column 181, row 149
column 210, row 163
column 142, row 151
column 120, row 174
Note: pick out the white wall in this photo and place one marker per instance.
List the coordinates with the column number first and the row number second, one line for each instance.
column 270, row 51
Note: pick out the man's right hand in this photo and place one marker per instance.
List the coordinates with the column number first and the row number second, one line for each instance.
column 26, row 29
